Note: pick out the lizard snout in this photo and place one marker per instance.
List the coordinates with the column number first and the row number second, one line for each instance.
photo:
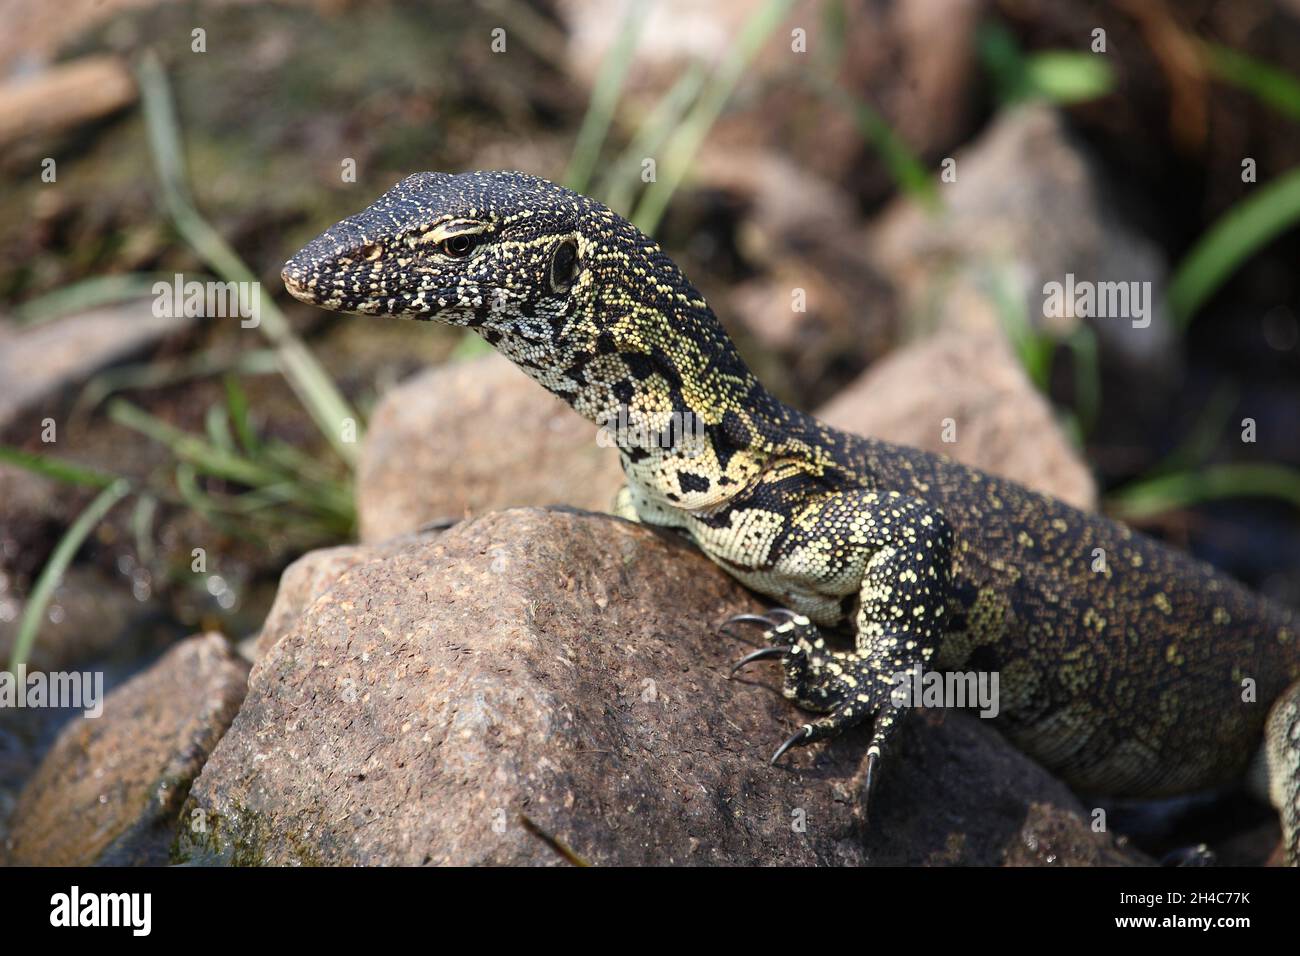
column 294, row 277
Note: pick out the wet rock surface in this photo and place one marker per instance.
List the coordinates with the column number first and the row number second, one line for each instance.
column 109, row 790
column 564, row 668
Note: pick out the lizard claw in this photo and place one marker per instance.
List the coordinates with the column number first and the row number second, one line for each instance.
column 868, row 783
column 765, row 622
column 758, row 655
column 802, row 734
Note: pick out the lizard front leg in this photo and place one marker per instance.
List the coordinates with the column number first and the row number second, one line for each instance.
column 624, row 505
column 900, row 550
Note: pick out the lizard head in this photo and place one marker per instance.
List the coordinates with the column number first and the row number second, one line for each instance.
column 478, row 249
column 574, row 294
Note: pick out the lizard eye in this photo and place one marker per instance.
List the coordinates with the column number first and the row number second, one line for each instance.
column 564, row 265
column 457, row 247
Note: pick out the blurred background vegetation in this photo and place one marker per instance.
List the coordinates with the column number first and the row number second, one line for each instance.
column 220, row 164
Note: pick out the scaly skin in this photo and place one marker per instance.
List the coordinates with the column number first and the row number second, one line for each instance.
column 1125, row 667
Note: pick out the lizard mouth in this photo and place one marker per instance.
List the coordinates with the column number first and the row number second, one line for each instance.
column 360, row 294
column 295, row 282
column 329, row 291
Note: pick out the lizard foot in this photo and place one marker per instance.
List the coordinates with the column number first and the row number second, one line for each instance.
column 846, row 687
column 782, row 628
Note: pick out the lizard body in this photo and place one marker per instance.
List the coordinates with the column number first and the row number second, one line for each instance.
column 1126, row 667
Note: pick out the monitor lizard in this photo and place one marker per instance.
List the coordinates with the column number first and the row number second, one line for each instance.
column 1126, row 667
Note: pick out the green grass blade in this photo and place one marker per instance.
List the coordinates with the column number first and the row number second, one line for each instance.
column 1240, row 232
column 682, row 148
column 313, row 386
column 1004, row 62
column 160, row 373
column 1060, row 76
column 1267, row 83
column 1033, row 348
column 1068, row 76
column 835, row 28
column 1153, row 496
column 209, row 508
column 1199, row 443
column 621, row 180
column 56, row 468
column 217, row 425
column 903, row 165
column 1087, row 377
column 57, row 565
column 192, row 449
column 604, row 98
column 237, row 406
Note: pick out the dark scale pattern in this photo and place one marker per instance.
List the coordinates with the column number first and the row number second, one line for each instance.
column 1127, row 681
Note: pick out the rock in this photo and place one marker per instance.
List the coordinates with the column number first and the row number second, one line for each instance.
column 39, row 362
column 63, row 97
column 1029, row 206
column 109, row 790
column 471, row 437
column 1000, row 422
column 311, row 576
column 565, row 668
column 35, row 31
column 913, row 62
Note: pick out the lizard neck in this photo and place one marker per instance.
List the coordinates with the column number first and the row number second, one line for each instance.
column 694, row 426
column 636, row 349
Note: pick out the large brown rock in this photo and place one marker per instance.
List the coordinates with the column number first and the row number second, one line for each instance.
column 1029, row 205
column 110, row 789
column 312, row 575
column 565, row 668
column 471, row 437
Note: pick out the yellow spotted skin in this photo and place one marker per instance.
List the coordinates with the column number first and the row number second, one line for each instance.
column 1127, row 668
